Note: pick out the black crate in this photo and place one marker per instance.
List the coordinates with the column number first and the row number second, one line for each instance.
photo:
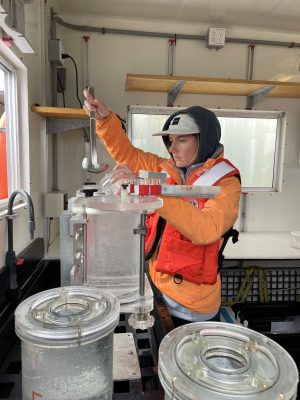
column 283, row 284
column 259, row 317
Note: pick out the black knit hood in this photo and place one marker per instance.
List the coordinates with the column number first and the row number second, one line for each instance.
column 210, row 130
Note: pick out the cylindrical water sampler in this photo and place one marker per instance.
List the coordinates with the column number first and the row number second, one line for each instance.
column 67, row 343
column 220, row 361
column 102, row 245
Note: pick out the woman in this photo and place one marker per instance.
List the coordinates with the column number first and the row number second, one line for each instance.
column 184, row 235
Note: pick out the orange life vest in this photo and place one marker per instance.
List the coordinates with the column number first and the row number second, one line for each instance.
column 179, row 256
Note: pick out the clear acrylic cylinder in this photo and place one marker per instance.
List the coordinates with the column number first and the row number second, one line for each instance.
column 67, row 344
column 113, row 252
column 112, row 247
column 220, row 361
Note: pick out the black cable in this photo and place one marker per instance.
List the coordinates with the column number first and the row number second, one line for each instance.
column 76, row 72
column 49, row 233
column 62, row 90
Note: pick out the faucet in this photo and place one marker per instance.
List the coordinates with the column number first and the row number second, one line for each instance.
column 10, row 258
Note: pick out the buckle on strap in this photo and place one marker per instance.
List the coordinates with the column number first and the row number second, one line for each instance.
column 177, row 278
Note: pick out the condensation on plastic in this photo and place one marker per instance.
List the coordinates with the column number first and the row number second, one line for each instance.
column 67, row 343
column 220, row 361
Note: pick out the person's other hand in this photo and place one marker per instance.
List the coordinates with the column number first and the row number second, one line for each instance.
column 122, row 171
column 92, row 104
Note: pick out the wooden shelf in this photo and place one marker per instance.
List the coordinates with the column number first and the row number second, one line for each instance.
column 57, row 112
column 232, row 87
column 62, row 119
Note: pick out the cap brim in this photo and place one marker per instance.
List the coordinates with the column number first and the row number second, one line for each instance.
column 174, row 132
column 164, row 133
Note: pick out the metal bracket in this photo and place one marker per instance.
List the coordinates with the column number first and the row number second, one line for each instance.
column 60, row 125
column 140, row 230
column 11, row 216
column 173, row 92
column 76, row 275
column 76, row 220
column 253, row 98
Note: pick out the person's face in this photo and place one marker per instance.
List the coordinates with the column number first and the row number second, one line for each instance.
column 184, row 149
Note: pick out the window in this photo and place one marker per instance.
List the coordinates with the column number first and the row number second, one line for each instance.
column 253, row 141
column 9, row 132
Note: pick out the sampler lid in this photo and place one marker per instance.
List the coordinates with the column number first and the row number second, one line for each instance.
column 72, row 314
column 217, row 361
column 135, row 204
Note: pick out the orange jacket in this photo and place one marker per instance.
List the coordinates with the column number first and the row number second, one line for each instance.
column 203, row 226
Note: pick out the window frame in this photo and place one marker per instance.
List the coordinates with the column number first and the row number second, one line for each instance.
column 17, row 124
column 279, row 143
column 12, row 129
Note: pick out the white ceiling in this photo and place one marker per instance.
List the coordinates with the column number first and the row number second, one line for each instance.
column 279, row 15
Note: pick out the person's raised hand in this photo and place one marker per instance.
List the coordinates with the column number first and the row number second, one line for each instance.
column 95, row 105
column 122, row 172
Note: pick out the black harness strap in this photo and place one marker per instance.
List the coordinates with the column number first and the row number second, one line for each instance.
column 234, row 234
column 161, row 223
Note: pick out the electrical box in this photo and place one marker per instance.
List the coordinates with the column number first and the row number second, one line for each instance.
column 215, row 38
column 55, row 51
column 55, row 204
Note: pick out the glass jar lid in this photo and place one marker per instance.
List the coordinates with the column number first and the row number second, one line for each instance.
column 214, row 360
column 74, row 313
